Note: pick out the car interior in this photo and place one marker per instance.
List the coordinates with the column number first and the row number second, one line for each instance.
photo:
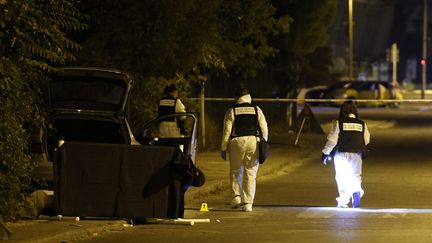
column 85, row 130
column 149, row 135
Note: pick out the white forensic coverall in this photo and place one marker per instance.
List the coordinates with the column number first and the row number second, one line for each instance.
column 348, row 166
column 243, row 154
column 169, row 129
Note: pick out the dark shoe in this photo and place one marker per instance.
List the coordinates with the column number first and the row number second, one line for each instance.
column 356, row 200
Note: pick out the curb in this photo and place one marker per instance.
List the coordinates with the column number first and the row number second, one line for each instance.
column 84, row 232
column 88, row 232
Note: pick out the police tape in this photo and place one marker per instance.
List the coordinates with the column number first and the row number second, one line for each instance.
column 286, row 100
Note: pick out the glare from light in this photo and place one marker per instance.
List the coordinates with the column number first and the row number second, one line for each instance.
column 378, row 210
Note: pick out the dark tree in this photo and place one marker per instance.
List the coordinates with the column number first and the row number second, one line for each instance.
column 33, row 41
column 178, row 41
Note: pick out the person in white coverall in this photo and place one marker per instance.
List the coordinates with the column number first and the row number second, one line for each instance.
column 347, row 141
column 170, row 104
column 241, row 125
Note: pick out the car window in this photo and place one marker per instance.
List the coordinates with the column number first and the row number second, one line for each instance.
column 365, row 86
column 356, row 85
column 368, row 86
column 87, row 93
column 177, row 126
column 339, row 85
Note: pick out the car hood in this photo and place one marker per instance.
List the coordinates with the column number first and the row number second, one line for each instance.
column 89, row 90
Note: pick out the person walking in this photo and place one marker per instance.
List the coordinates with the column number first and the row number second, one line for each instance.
column 170, row 104
column 242, row 124
column 347, row 143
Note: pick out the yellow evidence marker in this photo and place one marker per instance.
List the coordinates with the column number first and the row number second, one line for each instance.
column 204, row 207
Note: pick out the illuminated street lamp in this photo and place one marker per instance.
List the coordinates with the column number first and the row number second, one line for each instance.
column 350, row 39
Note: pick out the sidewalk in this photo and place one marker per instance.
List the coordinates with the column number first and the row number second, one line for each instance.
column 283, row 156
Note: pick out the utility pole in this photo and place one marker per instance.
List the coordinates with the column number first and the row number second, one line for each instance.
column 350, row 40
column 202, row 112
column 394, row 60
column 424, row 56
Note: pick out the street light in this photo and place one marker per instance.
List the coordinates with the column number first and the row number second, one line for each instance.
column 350, row 39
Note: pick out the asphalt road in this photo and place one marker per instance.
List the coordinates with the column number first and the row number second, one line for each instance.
column 298, row 206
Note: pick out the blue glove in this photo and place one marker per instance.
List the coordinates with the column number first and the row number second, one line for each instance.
column 223, row 154
column 325, row 158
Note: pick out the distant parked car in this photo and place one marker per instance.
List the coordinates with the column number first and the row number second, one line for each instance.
column 376, row 90
column 317, row 92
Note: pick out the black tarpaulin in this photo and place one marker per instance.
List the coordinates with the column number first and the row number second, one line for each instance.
column 111, row 180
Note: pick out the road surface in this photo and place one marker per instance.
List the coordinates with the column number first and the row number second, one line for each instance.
column 298, row 206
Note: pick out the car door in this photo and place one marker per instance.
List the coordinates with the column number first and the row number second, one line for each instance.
column 186, row 141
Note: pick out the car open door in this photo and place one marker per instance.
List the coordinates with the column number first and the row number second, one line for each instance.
column 187, row 141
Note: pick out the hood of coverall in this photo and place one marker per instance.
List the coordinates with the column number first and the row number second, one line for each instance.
column 244, row 99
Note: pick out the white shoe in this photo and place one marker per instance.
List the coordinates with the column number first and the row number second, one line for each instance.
column 236, row 202
column 342, row 206
column 247, row 207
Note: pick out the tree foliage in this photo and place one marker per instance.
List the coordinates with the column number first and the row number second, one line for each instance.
column 245, row 27
column 148, row 38
column 312, row 19
column 317, row 68
column 309, row 31
column 33, row 41
column 165, row 39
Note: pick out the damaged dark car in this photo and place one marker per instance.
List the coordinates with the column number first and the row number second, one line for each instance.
column 92, row 159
